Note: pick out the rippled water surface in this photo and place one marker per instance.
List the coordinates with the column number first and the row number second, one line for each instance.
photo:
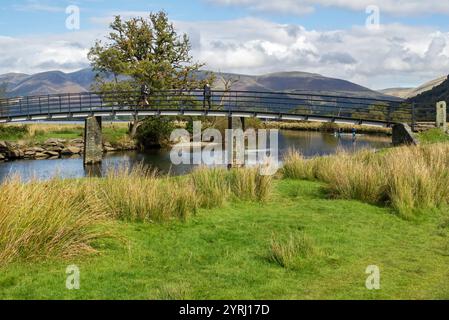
column 309, row 143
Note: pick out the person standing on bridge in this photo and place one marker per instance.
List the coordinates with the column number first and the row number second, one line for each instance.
column 207, row 94
column 144, row 94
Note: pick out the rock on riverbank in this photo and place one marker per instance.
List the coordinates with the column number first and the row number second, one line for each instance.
column 52, row 149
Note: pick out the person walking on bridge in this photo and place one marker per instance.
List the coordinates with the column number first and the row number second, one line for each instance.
column 207, row 94
column 144, row 94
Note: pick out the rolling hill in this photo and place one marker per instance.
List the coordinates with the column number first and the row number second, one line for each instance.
column 406, row 93
column 436, row 94
column 53, row 82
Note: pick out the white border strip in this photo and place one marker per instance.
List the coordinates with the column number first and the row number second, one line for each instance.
column 217, row 114
column 318, row 119
column 293, row 118
column 374, row 124
column 147, row 113
column 194, row 113
column 102, row 114
column 60, row 116
column 353, row 122
column 266, row 116
column 170, row 113
column 240, row 115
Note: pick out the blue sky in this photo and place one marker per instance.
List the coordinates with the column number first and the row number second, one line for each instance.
column 329, row 37
column 25, row 17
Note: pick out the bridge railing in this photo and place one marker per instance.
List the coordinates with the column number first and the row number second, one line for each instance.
column 306, row 104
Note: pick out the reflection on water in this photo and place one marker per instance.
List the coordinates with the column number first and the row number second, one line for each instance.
column 308, row 143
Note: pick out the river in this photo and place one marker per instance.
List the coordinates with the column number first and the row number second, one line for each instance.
column 309, row 143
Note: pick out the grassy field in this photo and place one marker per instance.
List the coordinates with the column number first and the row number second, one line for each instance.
column 225, row 253
column 218, row 234
column 38, row 133
column 433, row 136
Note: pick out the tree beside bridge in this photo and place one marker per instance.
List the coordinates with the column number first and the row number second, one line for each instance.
column 145, row 52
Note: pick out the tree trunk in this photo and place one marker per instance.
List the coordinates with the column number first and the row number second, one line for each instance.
column 133, row 126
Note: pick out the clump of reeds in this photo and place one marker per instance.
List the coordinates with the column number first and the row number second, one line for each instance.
column 211, row 186
column 409, row 179
column 39, row 220
column 60, row 217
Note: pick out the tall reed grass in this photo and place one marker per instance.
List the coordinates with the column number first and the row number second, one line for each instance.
column 39, row 220
column 64, row 217
column 410, row 179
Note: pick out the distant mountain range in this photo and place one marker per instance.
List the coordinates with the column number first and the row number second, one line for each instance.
column 54, row 82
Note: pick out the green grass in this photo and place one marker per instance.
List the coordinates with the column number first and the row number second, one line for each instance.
column 225, row 254
column 433, row 136
column 113, row 133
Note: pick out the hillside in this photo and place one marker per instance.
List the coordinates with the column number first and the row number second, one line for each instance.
column 431, row 97
column 58, row 82
column 406, row 93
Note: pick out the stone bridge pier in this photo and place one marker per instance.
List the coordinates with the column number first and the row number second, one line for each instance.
column 232, row 149
column 93, row 141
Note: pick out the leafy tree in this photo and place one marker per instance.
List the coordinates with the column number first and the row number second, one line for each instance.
column 145, row 51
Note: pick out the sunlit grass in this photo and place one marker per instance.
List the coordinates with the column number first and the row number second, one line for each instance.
column 409, row 179
column 59, row 217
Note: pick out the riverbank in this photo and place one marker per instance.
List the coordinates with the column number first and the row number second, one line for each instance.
column 227, row 253
column 325, row 127
column 53, row 141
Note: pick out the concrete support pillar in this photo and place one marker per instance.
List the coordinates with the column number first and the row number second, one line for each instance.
column 402, row 134
column 234, row 139
column 441, row 120
column 93, row 141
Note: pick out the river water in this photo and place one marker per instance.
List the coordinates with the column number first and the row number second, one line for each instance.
column 308, row 143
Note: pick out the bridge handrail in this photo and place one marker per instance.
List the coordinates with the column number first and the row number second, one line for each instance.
column 200, row 92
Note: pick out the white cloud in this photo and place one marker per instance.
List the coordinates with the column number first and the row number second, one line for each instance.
column 395, row 55
column 36, row 54
column 396, row 7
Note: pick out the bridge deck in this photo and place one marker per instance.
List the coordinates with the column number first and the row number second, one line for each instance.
column 267, row 105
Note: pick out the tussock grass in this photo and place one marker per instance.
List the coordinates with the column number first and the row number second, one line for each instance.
column 410, row 179
column 211, row 186
column 62, row 218
column 294, row 251
column 215, row 186
column 39, row 220
column 138, row 194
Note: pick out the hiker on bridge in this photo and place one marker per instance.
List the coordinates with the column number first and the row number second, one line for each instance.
column 207, row 94
column 144, row 94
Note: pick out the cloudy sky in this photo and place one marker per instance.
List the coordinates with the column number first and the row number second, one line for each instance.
column 376, row 43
